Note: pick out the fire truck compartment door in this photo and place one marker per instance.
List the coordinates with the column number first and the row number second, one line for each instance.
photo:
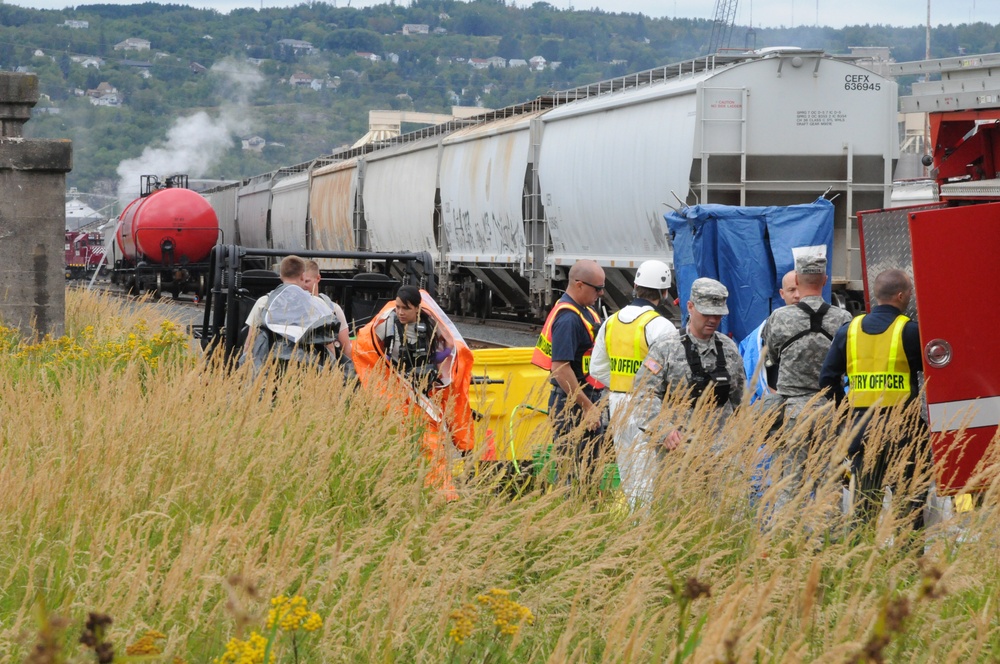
column 955, row 272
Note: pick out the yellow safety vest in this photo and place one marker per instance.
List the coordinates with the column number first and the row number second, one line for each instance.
column 877, row 366
column 542, row 355
column 627, row 348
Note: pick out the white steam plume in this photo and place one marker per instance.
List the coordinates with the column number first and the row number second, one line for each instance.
column 195, row 143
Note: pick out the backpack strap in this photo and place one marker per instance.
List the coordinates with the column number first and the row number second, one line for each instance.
column 815, row 324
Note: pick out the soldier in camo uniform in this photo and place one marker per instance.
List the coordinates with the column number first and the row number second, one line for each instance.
column 700, row 359
column 797, row 337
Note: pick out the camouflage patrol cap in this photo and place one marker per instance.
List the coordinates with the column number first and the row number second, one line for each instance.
column 810, row 260
column 709, row 297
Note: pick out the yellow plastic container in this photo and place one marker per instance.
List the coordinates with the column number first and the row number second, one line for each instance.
column 512, row 395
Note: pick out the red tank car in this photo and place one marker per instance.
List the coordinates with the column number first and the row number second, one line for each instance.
column 165, row 238
column 168, row 227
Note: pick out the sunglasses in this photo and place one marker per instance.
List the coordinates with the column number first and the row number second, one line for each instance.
column 599, row 289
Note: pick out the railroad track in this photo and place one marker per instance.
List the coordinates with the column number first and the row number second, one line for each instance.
column 498, row 323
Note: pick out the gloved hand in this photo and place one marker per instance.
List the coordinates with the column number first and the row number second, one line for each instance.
column 441, row 355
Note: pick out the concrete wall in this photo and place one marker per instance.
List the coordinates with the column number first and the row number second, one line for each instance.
column 32, row 215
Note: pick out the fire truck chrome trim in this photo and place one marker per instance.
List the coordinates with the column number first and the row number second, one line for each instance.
column 968, row 413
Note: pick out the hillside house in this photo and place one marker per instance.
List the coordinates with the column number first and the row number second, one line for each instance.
column 300, row 80
column 76, row 25
column 368, row 56
column 479, row 63
column 253, row 143
column 517, row 62
column 537, row 63
column 87, row 61
column 497, row 61
column 297, row 46
column 133, row 44
column 416, row 29
column 105, row 94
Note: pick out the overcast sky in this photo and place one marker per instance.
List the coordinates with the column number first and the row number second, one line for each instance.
column 762, row 13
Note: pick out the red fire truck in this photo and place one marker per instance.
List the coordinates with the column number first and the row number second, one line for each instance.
column 952, row 249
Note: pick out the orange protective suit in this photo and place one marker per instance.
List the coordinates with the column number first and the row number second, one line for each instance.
column 445, row 410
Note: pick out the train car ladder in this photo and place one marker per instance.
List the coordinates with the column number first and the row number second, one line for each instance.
column 718, row 118
column 536, row 232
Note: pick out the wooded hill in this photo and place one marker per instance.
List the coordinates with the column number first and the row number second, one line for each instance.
column 303, row 79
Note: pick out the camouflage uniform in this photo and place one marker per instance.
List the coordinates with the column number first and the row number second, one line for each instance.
column 666, row 368
column 799, row 364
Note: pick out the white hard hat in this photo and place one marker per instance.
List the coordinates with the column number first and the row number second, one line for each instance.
column 653, row 274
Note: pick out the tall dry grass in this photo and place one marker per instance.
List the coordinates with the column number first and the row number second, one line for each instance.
column 139, row 493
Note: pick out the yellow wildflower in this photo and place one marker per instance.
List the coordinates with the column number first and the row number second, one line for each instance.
column 508, row 615
column 465, row 622
column 146, row 645
column 291, row 614
column 250, row 651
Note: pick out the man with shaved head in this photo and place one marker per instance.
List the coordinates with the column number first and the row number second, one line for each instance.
column 564, row 348
column 880, row 355
column 752, row 345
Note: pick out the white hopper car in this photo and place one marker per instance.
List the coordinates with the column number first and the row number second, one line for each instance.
column 506, row 202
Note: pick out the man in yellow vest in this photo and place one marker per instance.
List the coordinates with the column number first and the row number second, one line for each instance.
column 620, row 347
column 564, row 348
column 880, row 355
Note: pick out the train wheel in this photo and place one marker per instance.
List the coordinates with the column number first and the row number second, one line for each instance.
column 486, row 306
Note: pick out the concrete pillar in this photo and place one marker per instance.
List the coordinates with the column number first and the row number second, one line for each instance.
column 32, row 215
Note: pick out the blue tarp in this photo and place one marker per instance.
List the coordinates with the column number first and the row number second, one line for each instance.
column 748, row 249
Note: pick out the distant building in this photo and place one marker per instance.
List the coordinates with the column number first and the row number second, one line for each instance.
column 440, row 31
column 368, row 56
column 39, row 53
column 497, row 61
column 300, row 80
column 197, row 68
column 443, row 16
column 623, row 63
column 392, row 57
column 253, row 143
column 105, row 94
column 76, row 25
column 298, row 46
column 87, row 61
column 537, row 63
column 416, row 29
column 517, row 62
column 133, row 44
column 555, row 64
column 479, row 63
column 404, row 97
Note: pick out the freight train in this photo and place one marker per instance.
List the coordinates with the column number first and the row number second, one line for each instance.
column 84, row 254
column 507, row 201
